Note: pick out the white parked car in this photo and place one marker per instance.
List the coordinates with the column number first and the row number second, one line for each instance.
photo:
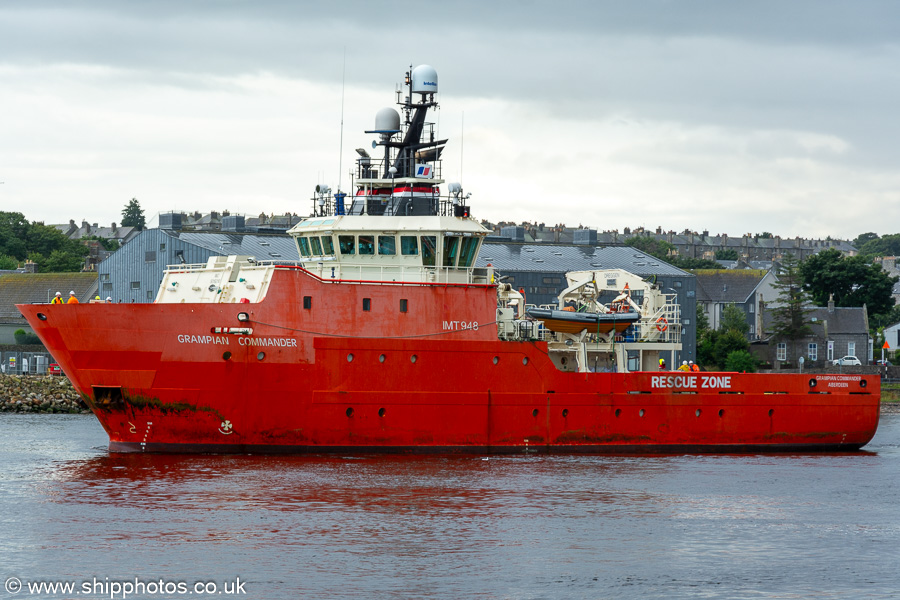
column 847, row 361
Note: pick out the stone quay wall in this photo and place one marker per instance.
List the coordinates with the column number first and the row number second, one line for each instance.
column 39, row 394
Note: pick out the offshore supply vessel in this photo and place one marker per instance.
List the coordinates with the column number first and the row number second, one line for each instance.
column 385, row 336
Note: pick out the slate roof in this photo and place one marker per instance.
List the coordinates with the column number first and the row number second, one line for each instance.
column 29, row 288
column 843, row 320
column 727, row 285
column 510, row 258
column 263, row 247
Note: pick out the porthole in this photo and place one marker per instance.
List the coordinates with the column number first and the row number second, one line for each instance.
column 641, row 413
column 618, row 412
column 863, row 383
column 565, row 413
column 261, row 355
column 226, row 356
column 413, row 358
column 496, row 359
column 42, row 316
column 381, row 358
column 771, row 411
column 697, row 412
column 349, row 358
column 721, row 412
column 381, row 412
column 812, row 383
column 525, row 362
column 535, row 412
column 350, row 411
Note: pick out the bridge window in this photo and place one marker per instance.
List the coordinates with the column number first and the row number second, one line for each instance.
column 327, row 245
column 304, row 246
column 367, row 304
column 367, row 244
column 387, row 244
column 429, row 246
column 409, row 245
column 451, row 248
column 347, row 244
column 316, row 246
column 307, row 302
column 404, row 305
column 468, row 252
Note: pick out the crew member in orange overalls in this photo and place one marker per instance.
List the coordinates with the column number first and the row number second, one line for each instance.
column 72, row 298
column 695, row 367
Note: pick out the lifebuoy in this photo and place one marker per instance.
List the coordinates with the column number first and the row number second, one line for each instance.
column 662, row 324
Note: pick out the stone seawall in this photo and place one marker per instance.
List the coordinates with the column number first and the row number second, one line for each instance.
column 39, row 394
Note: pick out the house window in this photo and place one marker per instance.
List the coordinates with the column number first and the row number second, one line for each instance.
column 150, row 295
column 367, row 304
column 404, row 305
column 307, row 302
column 162, row 247
column 104, row 276
column 687, row 321
column 781, row 353
column 813, row 351
column 752, row 309
column 752, row 329
column 135, row 285
column 830, row 350
column 107, row 285
column 851, row 348
column 678, row 284
column 150, row 256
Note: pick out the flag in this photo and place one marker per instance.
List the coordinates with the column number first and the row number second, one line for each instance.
column 423, row 171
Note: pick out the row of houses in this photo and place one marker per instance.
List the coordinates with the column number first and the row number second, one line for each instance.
column 135, row 271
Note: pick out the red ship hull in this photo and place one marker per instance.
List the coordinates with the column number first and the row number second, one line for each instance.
column 336, row 377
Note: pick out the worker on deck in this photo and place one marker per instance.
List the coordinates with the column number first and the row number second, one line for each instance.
column 662, row 364
column 695, row 367
column 57, row 299
column 684, row 366
column 72, row 298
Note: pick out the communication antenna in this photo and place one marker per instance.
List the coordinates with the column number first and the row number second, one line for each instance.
column 341, row 145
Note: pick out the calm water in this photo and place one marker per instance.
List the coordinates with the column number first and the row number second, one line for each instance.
column 798, row 526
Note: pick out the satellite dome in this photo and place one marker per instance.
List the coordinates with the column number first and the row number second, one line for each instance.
column 424, row 80
column 387, row 120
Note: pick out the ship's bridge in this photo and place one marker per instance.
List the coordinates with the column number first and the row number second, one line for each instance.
column 429, row 248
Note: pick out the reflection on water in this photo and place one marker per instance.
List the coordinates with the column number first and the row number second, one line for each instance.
column 451, row 526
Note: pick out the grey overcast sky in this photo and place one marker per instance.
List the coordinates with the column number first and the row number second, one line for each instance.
column 734, row 117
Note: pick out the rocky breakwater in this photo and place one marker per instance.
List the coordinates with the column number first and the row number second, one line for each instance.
column 34, row 394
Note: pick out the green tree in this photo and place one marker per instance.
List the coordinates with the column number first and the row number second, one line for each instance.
column 741, row 361
column 61, row 262
column 108, row 245
column 687, row 263
column 702, row 320
column 852, row 281
column 133, row 215
column 13, row 235
column 790, row 315
column 734, row 318
column 864, row 238
column 8, row 263
column 888, row 245
column 727, row 254
column 661, row 249
column 766, row 235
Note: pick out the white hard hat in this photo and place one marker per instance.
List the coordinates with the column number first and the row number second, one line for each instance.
column 58, row 294
column 109, row 298
column 72, row 293
column 684, row 362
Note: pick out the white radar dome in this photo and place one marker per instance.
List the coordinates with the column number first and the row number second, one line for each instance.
column 387, row 120
column 424, row 80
